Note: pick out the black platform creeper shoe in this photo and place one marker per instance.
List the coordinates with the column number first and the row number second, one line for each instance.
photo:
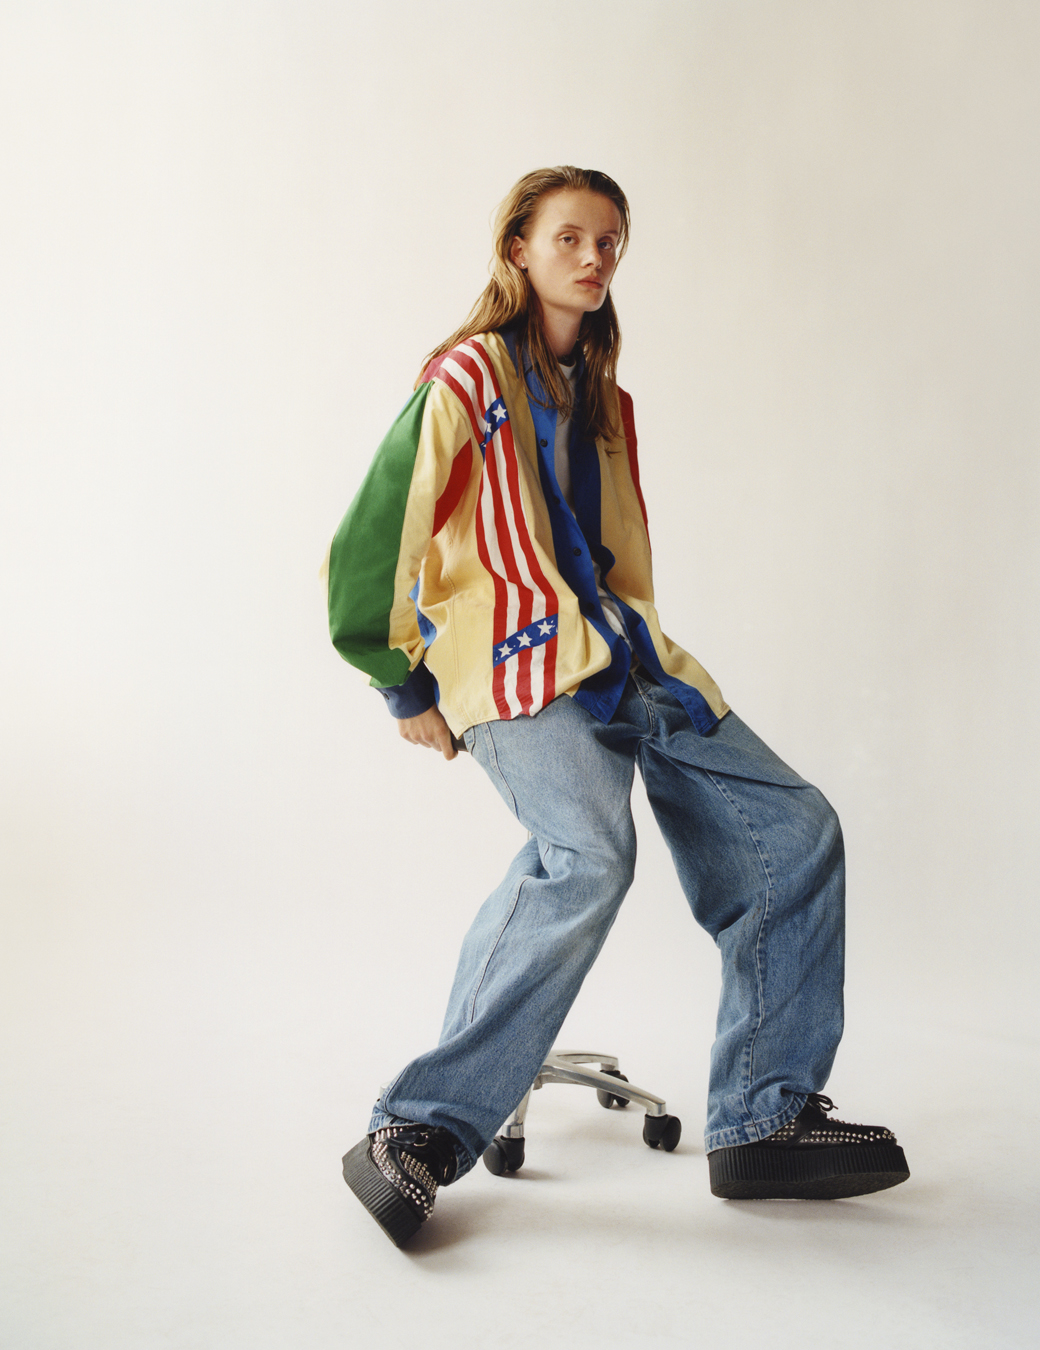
column 811, row 1158
column 395, row 1174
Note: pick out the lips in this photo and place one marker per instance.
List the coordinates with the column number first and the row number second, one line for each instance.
column 593, row 282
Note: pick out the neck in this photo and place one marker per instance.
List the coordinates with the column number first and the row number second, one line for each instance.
column 561, row 331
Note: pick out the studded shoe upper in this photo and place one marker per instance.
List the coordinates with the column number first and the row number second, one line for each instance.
column 415, row 1159
column 812, row 1128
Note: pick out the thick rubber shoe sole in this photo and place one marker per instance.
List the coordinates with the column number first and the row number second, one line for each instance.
column 384, row 1201
column 829, row 1172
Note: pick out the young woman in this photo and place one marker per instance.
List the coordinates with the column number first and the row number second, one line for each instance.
column 493, row 579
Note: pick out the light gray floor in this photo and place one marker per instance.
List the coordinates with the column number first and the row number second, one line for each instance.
column 169, row 1183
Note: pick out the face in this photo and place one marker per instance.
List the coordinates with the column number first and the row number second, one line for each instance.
column 570, row 251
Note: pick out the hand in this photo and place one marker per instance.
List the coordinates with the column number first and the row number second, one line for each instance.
column 429, row 729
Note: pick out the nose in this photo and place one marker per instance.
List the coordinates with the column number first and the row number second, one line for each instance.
column 593, row 256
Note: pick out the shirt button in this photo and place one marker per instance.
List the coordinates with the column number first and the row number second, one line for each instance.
column 543, row 444
column 577, row 552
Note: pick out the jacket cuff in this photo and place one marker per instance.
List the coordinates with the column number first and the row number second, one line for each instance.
column 415, row 696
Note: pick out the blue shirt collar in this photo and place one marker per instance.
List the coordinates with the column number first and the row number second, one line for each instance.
column 511, row 337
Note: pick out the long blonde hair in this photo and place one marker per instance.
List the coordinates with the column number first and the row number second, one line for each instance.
column 509, row 298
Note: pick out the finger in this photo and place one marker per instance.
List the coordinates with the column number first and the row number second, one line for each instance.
column 444, row 743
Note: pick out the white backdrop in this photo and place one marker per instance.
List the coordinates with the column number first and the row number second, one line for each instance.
column 229, row 233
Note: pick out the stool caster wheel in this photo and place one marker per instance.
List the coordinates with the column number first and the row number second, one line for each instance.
column 662, row 1132
column 608, row 1099
column 505, row 1155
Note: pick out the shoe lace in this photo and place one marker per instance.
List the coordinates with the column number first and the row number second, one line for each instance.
column 817, row 1099
column 430, row 1145
column 441, row 1145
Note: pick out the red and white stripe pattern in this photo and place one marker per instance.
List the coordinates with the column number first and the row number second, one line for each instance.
column 524, row 679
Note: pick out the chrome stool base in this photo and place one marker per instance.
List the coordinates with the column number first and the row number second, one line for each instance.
column 660, row 1130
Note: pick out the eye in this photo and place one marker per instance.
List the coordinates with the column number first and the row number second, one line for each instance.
column 607, row 245
column 566, row 238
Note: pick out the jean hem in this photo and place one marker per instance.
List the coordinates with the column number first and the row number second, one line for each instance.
column 754, row 1131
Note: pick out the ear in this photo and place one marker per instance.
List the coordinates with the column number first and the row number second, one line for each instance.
column 516, row 251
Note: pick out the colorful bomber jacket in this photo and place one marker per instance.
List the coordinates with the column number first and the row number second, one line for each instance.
column 459, row 559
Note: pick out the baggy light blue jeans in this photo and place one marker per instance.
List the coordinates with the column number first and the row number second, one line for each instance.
column 759, row 855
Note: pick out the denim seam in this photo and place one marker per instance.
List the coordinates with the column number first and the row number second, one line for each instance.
column 471, row 1014
column 493, row 764
column 648, row 705
column 384, row 1100
column 763, row 857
